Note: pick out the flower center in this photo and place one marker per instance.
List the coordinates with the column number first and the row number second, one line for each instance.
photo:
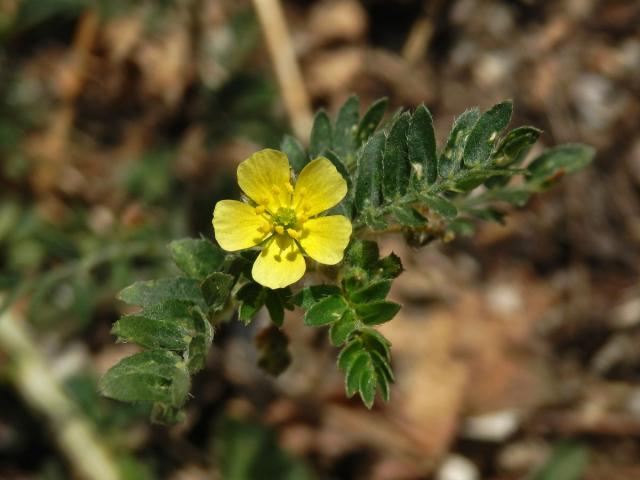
column 285, row 217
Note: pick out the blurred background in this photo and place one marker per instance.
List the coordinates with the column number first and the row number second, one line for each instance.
column 517, row 350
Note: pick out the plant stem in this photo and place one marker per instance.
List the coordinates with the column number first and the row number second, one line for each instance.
column 33, row 379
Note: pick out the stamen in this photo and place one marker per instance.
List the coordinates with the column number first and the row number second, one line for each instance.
column 275, row 190
column 293, row 233
column 279, row 229
column 289, row 187
column 266, row 228
column 302, row 191
column 260, row 209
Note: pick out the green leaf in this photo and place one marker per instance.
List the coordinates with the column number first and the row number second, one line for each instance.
column 568, row 462
column 275, row 307
column 396, row 168
column 362, row 253
column 321, row 135
column 421, row 140
column 388, row 267
column 309, row 296
column 376, row 313
column 408, row 216
column 326, row 311
column 216, row 290
column 153, row 292
column 152, row 376
column 467, row 180
column 451, row 156
column 360, row 364
column 339, row 164
column 251, row 297
column 383, row 384
column 514, row 147
column 374, row 340
column 197, row 257
column 370, row 293
column 484, row 134
column 295, row 153
column 382, row 363
column 348, row 354
column 371, row 120
column 367, row 387
column 517, row 196
column 342, row 329
column 560, row 160
column 344, row 136
column 170, row 327
column 440, row 205
column 369, row 173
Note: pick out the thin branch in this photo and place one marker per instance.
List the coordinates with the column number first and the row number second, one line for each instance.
column 36, row 383
column 287, row 70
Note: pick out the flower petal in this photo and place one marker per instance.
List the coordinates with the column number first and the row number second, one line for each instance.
column 280, row 263
column 319, row 187
column 264, row 177
column 325, row 238
column 237, row 225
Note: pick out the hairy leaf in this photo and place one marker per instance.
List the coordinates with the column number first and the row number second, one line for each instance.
column 369, row 173
column 484, row 134
column 451, row 156
column 295, row 153
column 343, row 328
column 198, row 258
column 216, row 289
column 376, row 313
column 371, row 120
column 558, row 161
column 152, row 376
column 440, row 205
column 408, row 216
column 370, row 293
column 321, row 135
column 326, row 311
column 309, row 296
column 251, row 298
column 421, row 140
column 344, row 136
column 396, row 169
column 152, row 292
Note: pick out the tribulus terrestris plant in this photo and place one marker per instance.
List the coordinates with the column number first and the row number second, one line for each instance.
column 303, row 235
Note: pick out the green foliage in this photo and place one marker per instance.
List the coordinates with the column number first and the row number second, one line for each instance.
column 398, row 181
column 175, row 324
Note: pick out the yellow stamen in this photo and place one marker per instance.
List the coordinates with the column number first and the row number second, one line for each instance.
column 293, row 234
column 260, row 209
column 289, row 187
column 266, row 228
column 279, row 229
column 302, row 191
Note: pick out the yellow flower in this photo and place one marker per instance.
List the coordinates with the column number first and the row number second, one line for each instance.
column 284, row 219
